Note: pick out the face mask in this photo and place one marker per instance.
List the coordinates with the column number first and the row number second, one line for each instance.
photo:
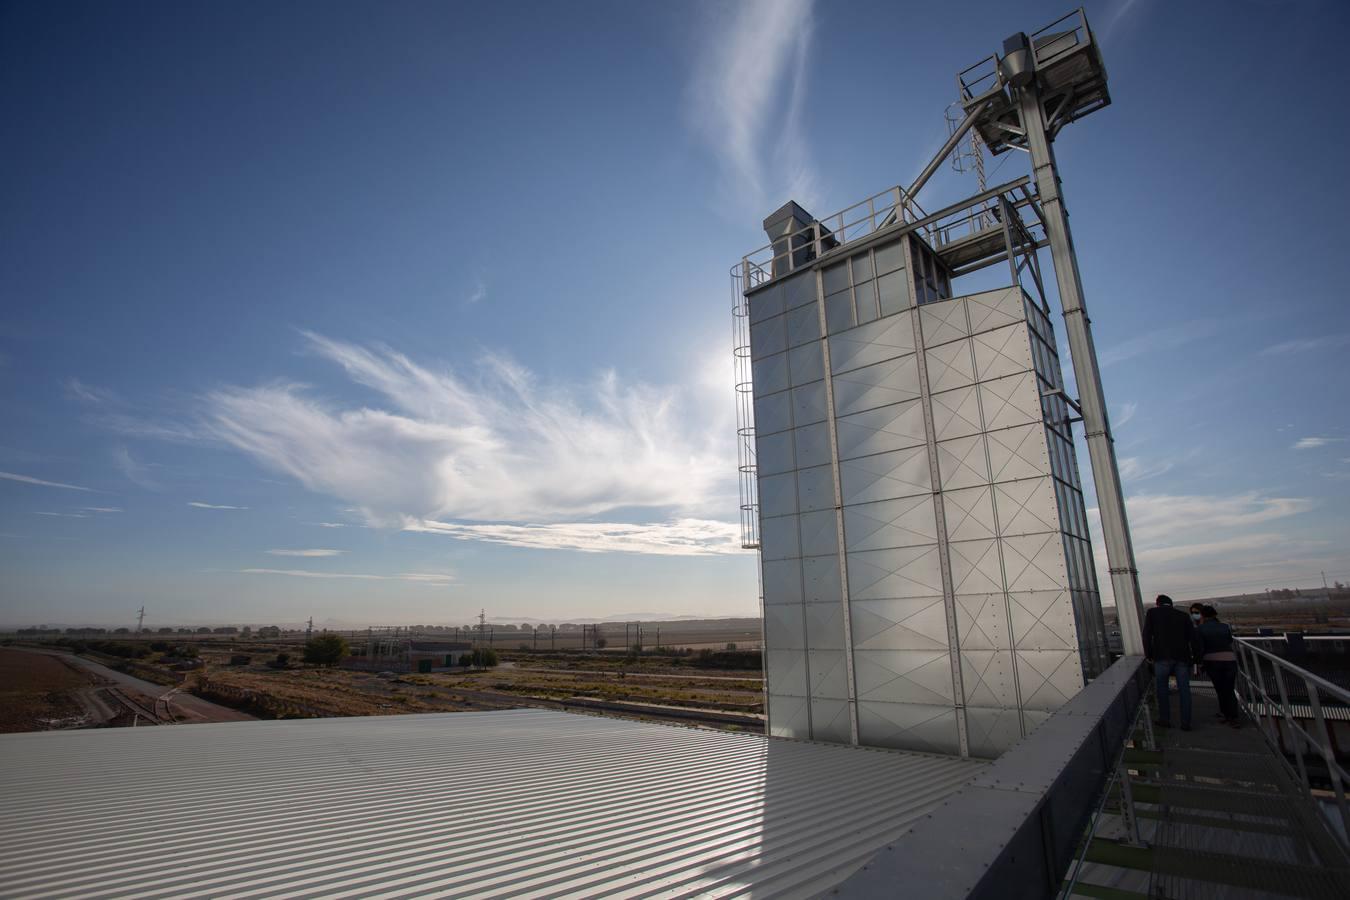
column 1195, row 616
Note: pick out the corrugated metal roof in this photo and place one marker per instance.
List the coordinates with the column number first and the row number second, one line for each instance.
column 519, row 803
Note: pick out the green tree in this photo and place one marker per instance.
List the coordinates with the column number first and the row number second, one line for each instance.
column 326, row 649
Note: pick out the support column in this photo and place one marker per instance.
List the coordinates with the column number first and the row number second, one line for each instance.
column 1078, row 329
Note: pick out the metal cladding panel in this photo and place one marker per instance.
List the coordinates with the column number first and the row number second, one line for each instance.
column 808, row 403
column 773, row 412
column 1019, row 613
column 901, row 572
column 768, row 337
column 783, row 626
column 908, row 726
column 815, row 488
column 871, row 343
column 785, row 672
column 773, row 453
column 777, row 494
column 782, row 581
column 789, row 717
column 824, row 629
column 880, row 384
column 829, row 674
column 803, row 326
column 813, row 444
column 778, row 538
column 830, row 720
column 806, row 363
column 963, row 462
column 770, row 373
column 799, row 289
column 820, row 533
column 913, row 623
column 820, row 579
column 950, row 366
column 893, row 427
column 562, row 806
column 885, row 476
column 907, row 522
column 904, row 676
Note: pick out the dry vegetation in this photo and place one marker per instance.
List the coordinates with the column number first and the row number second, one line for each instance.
column 37, row 692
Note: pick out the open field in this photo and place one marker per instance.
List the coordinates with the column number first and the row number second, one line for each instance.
column 38, row 692
column 243, row 674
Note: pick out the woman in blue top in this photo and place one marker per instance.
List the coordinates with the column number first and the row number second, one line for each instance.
column 1220, row 663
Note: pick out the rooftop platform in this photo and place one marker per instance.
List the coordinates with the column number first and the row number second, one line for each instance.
column 520, row 803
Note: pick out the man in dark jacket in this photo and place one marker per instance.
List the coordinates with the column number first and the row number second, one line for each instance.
column 1171, row 643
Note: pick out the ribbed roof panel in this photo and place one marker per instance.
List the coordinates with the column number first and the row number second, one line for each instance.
column 517, row 803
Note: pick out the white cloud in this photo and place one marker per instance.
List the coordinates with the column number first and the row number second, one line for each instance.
column 428, row 578
column 200, row 505
column 102, row 509
column 329, row 524
column 1312, row 443
column 1307, row 345
column 497, row 447
column 748, row 85
column 1132, row 468
column 26, row 479
column 134, row 471
column 478, row 294
column 1192, row 542
column 87, row 393
column 1161, row 339
column 682, row 537
column 61, row 515
column 307, row 553
column 1127, row 412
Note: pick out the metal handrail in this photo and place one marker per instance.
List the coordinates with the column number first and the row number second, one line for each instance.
column 1259, row 705
column 1119, row 775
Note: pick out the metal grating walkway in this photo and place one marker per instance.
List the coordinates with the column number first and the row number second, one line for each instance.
column 1219, row 817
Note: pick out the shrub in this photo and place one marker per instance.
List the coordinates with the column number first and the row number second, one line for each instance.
column 482, row 658
column 326, row 649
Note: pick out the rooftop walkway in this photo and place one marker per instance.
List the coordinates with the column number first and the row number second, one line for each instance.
column 1218, row 816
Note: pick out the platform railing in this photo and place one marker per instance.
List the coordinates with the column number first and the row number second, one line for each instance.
column 1277, row 694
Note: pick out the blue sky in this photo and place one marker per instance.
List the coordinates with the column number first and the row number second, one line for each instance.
column 383, row 313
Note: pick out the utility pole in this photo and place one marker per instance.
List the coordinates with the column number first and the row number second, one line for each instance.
column 1078, row 329
column 552, row 638
column 140, row 616
column 309, row 628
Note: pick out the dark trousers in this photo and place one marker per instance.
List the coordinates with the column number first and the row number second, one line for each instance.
column 1224, row 676
column 1162, row 668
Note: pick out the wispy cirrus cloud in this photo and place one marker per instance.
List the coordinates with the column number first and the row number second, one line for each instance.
column 478, row 294
column 434, row 579
column 1313, row 443
column 1308, row 345
column 1126, row 414
column 101, row 509
column 63, row 515
column 202, row 505
column 683, row 537
column 307, row 553
column 1162, row 339
column 28, row 479
column 491, row 446
column 748, row 85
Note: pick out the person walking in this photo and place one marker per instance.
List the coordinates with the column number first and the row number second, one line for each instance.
column 1220, row 662
column 1171, row 644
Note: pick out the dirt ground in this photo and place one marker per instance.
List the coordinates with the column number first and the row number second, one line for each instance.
column 37, row 692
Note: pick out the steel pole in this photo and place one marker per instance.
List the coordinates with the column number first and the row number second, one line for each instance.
column 1078, row 328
